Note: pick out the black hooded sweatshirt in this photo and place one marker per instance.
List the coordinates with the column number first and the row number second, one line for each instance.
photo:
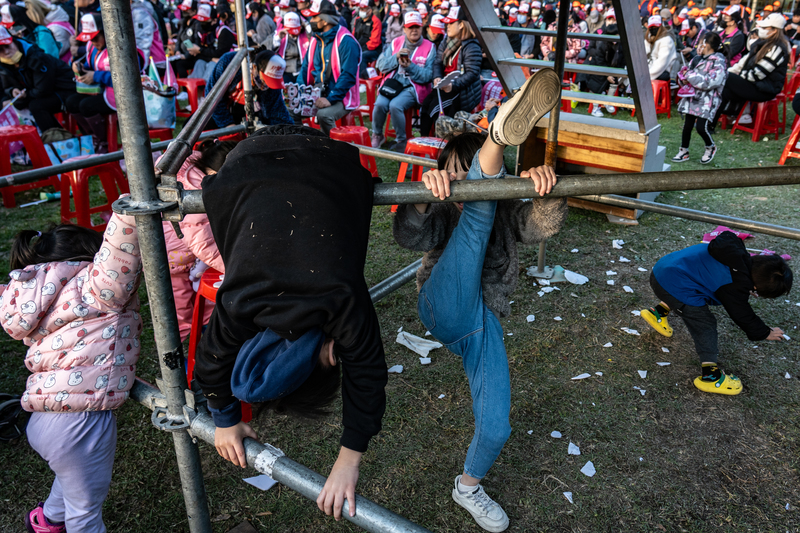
column 291, row 217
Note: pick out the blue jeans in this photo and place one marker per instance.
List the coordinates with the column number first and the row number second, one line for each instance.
column 397, row 107
column 451, row 306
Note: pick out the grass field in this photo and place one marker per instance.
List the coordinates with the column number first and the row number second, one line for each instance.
column 674, row 459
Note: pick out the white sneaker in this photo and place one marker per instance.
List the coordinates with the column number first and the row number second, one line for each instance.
column 516, row 118
column 611, row 109
column 709, row 154
column 486, row 512
column 745, row 120
column 597, row 112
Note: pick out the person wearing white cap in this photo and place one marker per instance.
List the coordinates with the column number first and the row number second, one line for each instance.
column 291, row 43
column 660, row 49
column 407, row 63
column 759, row 76
column 733, row 33
column 393, row 23
column 148, row 38
column 435, row 30
column 367, row 31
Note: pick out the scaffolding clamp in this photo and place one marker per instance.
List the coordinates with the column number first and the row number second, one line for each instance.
column 171, row 191
column 126, row 206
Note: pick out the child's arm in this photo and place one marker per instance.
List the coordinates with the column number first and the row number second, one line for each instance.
column 735, row 303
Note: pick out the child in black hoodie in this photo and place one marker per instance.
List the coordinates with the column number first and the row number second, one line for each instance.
column 721, row 272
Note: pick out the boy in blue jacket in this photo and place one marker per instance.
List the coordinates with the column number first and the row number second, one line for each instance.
column 721, row 272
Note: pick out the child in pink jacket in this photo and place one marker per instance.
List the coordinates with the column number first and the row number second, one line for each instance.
column 72, row 298
column 191, row 256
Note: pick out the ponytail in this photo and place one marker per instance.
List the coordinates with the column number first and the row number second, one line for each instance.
column 65, row 242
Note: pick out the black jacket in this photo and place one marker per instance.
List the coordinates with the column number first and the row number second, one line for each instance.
column 469, row 63
column 291, row 217
column 769, row 74
column 39, row 73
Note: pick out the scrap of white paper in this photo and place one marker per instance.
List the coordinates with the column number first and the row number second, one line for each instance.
column 581, row 376
column 399, row 330
column 530, row 318
column 636, row 312
column 263, row 482
column 610, row 281
column 417, row 344
column 788, row 376
column 641, row 458
column 548, row 290
column 617, row 244
column 588, row 469
column 640, row 269
column 665, row 350
column 427, row 333
column 607, row 345
column 557, row 318
column 556, row 434
column 787, row 337
column 540, row 293
column 599, row 374
column 642, row 373
column 544, row 282
column 624, row 259
column 572, row 449
column 574, row 250
column 441, row 396
column 425, row 360
column 568, row 496
column 643, row 391
column 610, row 273
column 663, row 364
column 630, row 331
column 575, row 278
column 396, row 369
column 627, row 289
column 510, row 334
column 530, row 432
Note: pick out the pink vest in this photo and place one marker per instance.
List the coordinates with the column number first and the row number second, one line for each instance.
column 419, row 57
column 302, row 44
column 352, row 100
column 67, row 57
column 102, row 63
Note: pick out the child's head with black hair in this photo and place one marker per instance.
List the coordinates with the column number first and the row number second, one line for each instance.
column 458, row 152
column 65, row 242
column 713, row 41
column 213, row 153
column 771, row 275
column 224, row 13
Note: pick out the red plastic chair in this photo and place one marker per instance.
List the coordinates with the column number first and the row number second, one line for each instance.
column 77, row 181
column 791, row 150
column 357, row 135
column 429, row 147
column 389, row 133
column 765, row 121
column 372, row 85
column 662, row 98
column 192, row 86
column 209, row 284
column 30, row 139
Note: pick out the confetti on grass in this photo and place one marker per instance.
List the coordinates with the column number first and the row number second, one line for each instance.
column 588, row 469
column 617, row 244
column 568, row 496
column 530, row 318
column 581, row 376
column 630, row 331
column 396, row 369
column 572, row 449
column 556, row 434
column 607, row 345
column 627, row 289
column 642, row 373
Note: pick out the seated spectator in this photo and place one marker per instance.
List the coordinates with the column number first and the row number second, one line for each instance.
column 188, row 33
column 602, row 54
column 264, row 25
column 393, row 24
column 408, row 60
column 434, row 31
column 339, row 83
column 792, row 29
column 218, row 38
column 56, row 20
column 690, row 36
column 267, row 75
column 660, row 49
column 291, row 43
column 20, row 25
column 148, row 38
column 94, row 72
column 367, row 31
column 733, row 34
column 42, row 82
column 574, row 46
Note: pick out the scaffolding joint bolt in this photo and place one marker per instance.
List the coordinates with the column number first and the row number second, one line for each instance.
column 167, row 422
column 126, row 206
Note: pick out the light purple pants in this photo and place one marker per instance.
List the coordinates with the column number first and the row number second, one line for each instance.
column 79, row 447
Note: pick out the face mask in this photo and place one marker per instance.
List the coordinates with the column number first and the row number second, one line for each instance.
column 522, row 19
column 318, row 28
column 763, row 33
column 362, row 13
column 13, row 60
column 653, row 31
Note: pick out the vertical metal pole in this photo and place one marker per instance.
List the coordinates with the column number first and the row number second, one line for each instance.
column 120, row 40
column 247, row 82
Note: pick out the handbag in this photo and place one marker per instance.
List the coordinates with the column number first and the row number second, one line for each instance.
column 391, row 88
column 160, row 108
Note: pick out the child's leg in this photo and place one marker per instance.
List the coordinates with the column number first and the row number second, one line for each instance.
column 688, row 126
column 79, row 448
column 702, row 130
column 450, row 303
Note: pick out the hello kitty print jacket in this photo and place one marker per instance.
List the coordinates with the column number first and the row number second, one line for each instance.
column 82, row 324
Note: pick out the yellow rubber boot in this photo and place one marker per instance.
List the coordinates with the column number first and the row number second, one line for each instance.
column 658, row 322
column 727, row 384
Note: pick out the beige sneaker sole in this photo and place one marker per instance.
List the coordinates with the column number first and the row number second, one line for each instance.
column 517, row 117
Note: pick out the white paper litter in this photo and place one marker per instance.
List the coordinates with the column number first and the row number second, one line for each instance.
column 588, row 469
column 399, row 330
column 607, row 345
column 624, row 259
column 557, row 318
column 530, row 318
column 627, row 288
column 599, row 374
column 663, row 364
column 642, row 373
column 584, row 316
column 635, row 387
column 641, row 458
column 427, row 333
column 617, row 244
column 568, row 496
column 609, row 281
column 665, row 350
column 787, row 337
column 636, row 312
column 509, row 334
column 543, row 281
column 643, row 391
column 396, row 369
column 417, row 344
column 572, row 449
column 787, row 506
column 577, row 279
column 263, row 482
column 574, row 250
column 540, row 293
column 630, row 331
column 424, row 360
column 548, row 290
column 530, row 432
column 640, row 269
column 788, row 376
column 581, row 376
column 556, row 434
column 610, row 273
column 441, row 396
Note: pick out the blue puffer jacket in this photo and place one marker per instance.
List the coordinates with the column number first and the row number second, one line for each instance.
column 469, row 63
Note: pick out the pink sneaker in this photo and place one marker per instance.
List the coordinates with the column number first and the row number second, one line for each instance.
column 37, row 522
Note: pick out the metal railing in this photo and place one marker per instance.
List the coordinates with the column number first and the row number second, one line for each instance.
column 550, row 33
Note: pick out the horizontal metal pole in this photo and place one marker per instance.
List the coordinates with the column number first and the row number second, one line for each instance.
column 369, row 515
column 549, row 33
column 592, row 98
column 37, row 174
column 579, row 185
column 693, row 214
column 177, row 153
column 394, row 282
column 569, row 67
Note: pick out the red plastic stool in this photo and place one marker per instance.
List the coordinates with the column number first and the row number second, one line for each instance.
column 30, row 139
column 429, row 147
column 67, row 122
column 662, row 97
column 192, row 86
column 357, row 135
column 372, row 85
column 209, row 283
column 114, row 184
column 390, row 133
column 351, row 118
column 766, row 120
column 791, row 150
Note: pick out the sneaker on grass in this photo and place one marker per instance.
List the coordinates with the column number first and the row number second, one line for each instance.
column 486, row 512
column 745, row 120
column 681, row 156
column 597, row 112
column 709, row 154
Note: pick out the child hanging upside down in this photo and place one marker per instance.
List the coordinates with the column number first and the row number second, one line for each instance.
column 721, row 272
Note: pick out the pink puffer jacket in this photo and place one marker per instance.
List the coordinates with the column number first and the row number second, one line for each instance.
column 197, row 243
column 82, row 324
